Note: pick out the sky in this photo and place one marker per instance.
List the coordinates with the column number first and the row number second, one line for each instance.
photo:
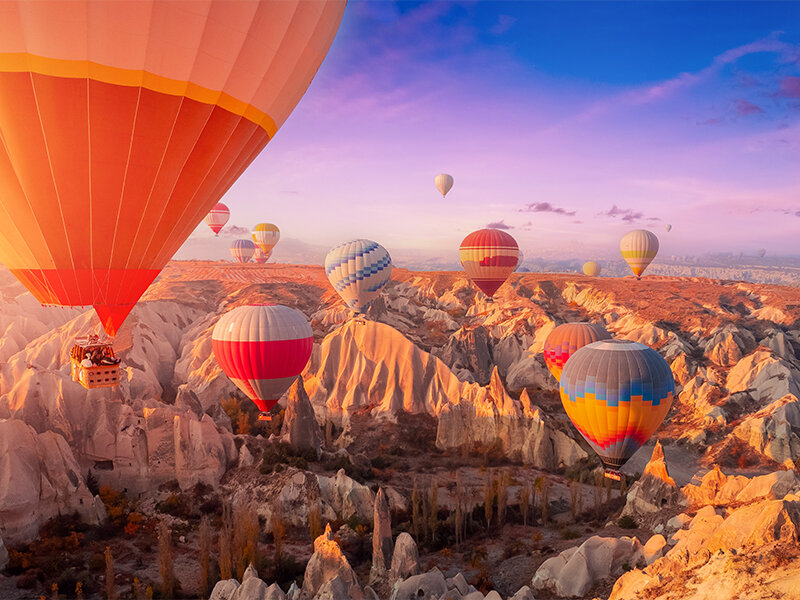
column 565, row 123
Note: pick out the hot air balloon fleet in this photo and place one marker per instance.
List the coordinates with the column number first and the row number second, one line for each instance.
column 125, row 124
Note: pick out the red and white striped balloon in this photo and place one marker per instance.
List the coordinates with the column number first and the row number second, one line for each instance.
column 489, row 256
column 262, row 348
column 217, row 218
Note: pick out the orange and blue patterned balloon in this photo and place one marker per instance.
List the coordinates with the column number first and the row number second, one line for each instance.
column 568, row 338
column 616, row 393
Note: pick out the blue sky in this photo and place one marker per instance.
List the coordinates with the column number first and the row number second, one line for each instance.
column 567, row 122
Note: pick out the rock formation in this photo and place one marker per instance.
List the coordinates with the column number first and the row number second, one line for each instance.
column 42, row 480
column 573, row 572
column 520, row 427
column 300, row 428
column 328, row 563
column 405, row 558
column 774, row 431
column 654, row 490
column 381, row 538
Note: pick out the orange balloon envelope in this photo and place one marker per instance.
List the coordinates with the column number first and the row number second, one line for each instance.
column 123, row 123
column 568, row 338
column 489, row 256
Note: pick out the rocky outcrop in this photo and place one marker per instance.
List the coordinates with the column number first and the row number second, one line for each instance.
column 290, row 493
column 426, row 585
column 405, row 558
column 779, row 343
column 774, row 431
column 721, row 556
column 346, row 496
column 469, row 355
column 300, row 428
column 381, row 537
column 576, row 570
column 683, row 370
column 521, row 428
column 3, row 555
column 41, row 480
column 326, row 564
column 727, row 345
column 251, row 588
column 718, row 489
column 372, row 364
column 655, row 490
column 764, row 376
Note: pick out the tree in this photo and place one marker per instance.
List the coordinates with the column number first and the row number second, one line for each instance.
column 165, row 560
column 433, row 510
column 489, row 488
column 502, row 497
column 111, row 593
column 315, row 520
column 524, row 503
column 205, row 555
column 245, row 536
column 225, row 540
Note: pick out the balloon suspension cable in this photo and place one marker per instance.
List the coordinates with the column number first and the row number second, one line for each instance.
column 264, row 417
column 612, row 474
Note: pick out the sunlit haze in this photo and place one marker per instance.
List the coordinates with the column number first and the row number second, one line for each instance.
column 567, row 123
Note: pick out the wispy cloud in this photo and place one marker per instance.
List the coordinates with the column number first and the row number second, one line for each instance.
column 499, row 225
column 539, row 207
column 712, row 121
column 627, row 215
column 790, row 87
column 235, row 231
column 504, row 23
column 745, row 108
column 654, row 92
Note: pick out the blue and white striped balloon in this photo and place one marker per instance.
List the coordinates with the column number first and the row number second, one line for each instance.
column 242, row 250
column 358, row 270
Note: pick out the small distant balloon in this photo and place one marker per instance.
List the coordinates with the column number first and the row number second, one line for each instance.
column 668, row 227
column 242, row 250
column 639, row 247
column 762, row 252
column 443, row 183
column 591, row 269
column 217, row 218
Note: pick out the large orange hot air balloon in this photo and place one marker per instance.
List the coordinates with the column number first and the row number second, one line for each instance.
column 489, row 256
column 124, row 122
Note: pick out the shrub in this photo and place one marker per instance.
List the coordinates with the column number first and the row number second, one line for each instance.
column 569, row 534
column 175, row 505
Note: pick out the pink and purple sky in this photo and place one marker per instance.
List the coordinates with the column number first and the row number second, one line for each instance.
column 568, row 123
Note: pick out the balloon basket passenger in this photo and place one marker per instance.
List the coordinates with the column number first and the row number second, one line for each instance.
column 93, row 363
